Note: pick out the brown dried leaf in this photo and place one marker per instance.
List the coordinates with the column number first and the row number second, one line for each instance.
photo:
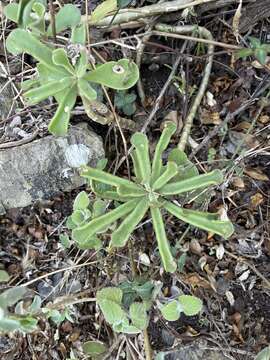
column 238, row 182
column 256, row 200
column 256, row 174
column 264, row 119
column 196, row 280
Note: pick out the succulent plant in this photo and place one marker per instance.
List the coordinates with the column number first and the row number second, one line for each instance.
column 152, row 190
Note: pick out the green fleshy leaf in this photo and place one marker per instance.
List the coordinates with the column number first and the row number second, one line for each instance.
column 186, row 169
column 59, row 124
column 213, row 178
column 190, row 305
column 169, row 173
column 20, row 41
column 102, row 10
column 119, row 75
column 171, row 311
column 163, row 244
column 124, row 190
column 78, row 34
column 60, row 58
column 86, row 90
column 202, row 220
column 65, row 241
column 244, row 53
column 106, row 178
column 67, row 17
column 254, row 42
column 138, row 315
column 109, row 300
column 136, row 167
column 82, row 65
column 162, row 145
column 140, row 141
column 261, row 54
column 11, row 12
column 4, row 276
column 99, row 208
column 81, row 201
column 94, row 348
column 51, row 88
column 8, row 325
column 121, row 234
column 264, row 354
column 85, row 232
column 11, row 296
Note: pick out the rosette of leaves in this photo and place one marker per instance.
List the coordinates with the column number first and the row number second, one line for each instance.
column 151, row 191
column 130, row 321
column 83, row 212
column 58, row 77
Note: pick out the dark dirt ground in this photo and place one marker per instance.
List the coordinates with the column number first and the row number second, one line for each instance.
column 229, row 276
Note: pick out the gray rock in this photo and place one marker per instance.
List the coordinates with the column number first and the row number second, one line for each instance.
column 7, row 104
column 197, row 350
column 41, row 169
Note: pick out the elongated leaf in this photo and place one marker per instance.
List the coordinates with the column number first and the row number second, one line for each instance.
column 213, row 178
column 163, row 244
column 171, row 311
column 50, row 89
column 67, row 17
column 8, row 325
column 86, row 90
column 78, row 34
column 119, row 75
column 140, row 141
column 106, row 178
column 82, row 64
column 20, row 41
column 124, row 190
column 60, row 58
column 202, row 220
column 162, row 145
column 109, row 194
column 190, row 305
column 169, row 173
column 244, row 53
column 87, row 231
column 138, row 315
column 136, row 167
column 103, row 9
column 59, row 124
column 121, row 234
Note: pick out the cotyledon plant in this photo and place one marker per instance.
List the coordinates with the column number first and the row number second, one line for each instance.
column 63, row 80
column 153, row 187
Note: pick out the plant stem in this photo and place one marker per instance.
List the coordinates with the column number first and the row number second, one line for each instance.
column 131, row 258
column 126, row 15
column 52, row 14
column 147, row 346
